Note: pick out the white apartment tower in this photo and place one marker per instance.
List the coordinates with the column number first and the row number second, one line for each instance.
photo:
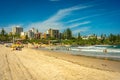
column 30, row 34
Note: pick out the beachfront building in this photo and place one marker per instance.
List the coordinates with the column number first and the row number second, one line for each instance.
column 98, row 37
column 37, row 35
column 33, row 33
column 10, row 33
column 45, row 36
column 30, row 34
column 91, row 37
column 17, row 30
column 34, row 30
column 23, row 35
column 85, row 37
column 53, row 33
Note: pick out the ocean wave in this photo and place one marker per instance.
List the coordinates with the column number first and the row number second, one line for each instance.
column 95, row 49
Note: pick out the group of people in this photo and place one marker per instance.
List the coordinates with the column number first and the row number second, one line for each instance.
column 17, row 45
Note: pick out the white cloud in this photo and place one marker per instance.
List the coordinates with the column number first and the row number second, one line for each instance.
column 64, row 12
column 78, row 19
column 79, row 24
column 54, row 21
column 82, row 29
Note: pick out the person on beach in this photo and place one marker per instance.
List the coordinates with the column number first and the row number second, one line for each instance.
column 105, row 50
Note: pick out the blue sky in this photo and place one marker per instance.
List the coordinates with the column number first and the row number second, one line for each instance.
column 84, row 16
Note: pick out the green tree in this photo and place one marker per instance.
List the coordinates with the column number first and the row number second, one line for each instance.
column 17, row 35
column 3, row 35
column 2, row 32
column 67, row 34
column 103, row 38
column 26, row 37
column 79, row 36
column 112, row 38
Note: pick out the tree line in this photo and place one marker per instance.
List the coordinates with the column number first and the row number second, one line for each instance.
column 111, row 39
column 68, row 38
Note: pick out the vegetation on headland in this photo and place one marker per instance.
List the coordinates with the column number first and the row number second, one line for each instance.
column 67, row 38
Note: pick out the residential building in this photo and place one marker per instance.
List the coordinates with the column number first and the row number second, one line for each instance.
column 10, row 33
column 33, row 33
column 37, row 35
column 30, row 34
column 34, row 30
column 53, row 33
column 23, row 35
column 17, row 30
column 45, row 36
column 85, row 37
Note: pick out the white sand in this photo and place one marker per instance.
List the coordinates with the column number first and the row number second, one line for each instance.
column 29, row 64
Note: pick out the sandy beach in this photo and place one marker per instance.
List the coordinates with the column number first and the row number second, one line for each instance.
column 31, row 64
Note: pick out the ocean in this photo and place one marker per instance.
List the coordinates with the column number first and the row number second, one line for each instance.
column 99, row 51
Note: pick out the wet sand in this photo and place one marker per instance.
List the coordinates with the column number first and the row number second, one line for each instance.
column 92, row 62
column 30, row 64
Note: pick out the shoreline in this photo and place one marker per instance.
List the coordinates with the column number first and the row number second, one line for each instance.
column 91, row 56
column 87, row 61
column 32, row 64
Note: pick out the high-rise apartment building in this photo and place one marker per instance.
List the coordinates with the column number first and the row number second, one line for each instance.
column 30, row 34
column 53, row 33
column 17, row 30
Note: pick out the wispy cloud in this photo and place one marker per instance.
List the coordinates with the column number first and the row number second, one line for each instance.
column 82, row 29
column 78, row 19
column 86, row 17
column 64, row 12
column 54, row 21
column 79, row 24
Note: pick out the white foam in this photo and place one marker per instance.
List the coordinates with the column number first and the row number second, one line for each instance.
column 94, row 49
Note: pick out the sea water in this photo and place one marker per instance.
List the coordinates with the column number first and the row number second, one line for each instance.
column 100, row 51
